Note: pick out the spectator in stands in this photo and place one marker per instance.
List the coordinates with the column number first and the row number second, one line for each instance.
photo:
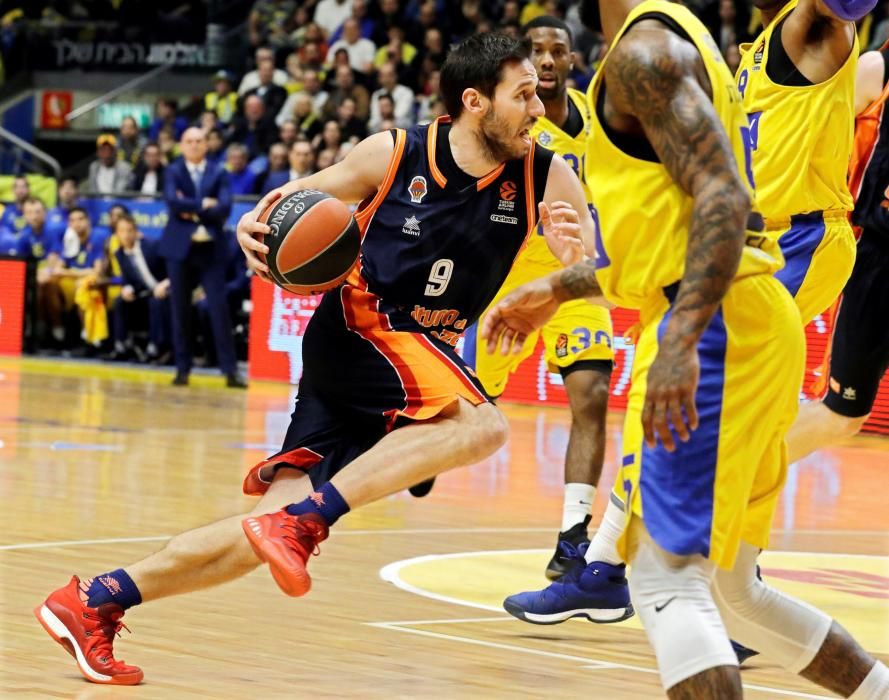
column 222, row 99
column 265, row 16
column 251, row 79
column 433, row 45
column 733, row 58
column 330, row 14
column 345, row 86
column 362, row 16
column 12, row 220
column 144, row 293
column 166, row 110
column 287, row 133
column 389, row 16
column 277, row 164
column 307, row 121
column 301, row 160
column 532, row 10
column 351, row 127
column 216, row 147
column 511, row 12
column 37, row 239
column 207, row 121
column 168, row 145
column 242, row 178
column 401, row 95
column 311, row 87
column 78, row 263
column 361, row 51
column 327, row 157
column 255, row 128
column 428, row 17
column 330, row 138
column 130, row 143
column 396, row 51
column 148, row 177
column 294, row 74
column 69, row 197
column 385, row 113
column 273, row 96
column 107, row 174
column 425, row 102
column 198, row 195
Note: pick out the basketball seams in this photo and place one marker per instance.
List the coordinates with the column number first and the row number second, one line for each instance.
column 310, row 229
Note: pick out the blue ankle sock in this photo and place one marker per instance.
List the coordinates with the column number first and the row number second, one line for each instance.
column 326, row 502
column 113, row 587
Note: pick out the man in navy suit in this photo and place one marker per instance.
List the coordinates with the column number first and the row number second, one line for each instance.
column 144, row 292
column 199, row 199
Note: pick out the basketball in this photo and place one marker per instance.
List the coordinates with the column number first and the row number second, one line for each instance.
column 313, row 242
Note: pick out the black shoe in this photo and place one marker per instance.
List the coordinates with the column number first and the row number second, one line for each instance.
column 235, row 381
column 422, row 489
column 181, row 379
column 565, row 560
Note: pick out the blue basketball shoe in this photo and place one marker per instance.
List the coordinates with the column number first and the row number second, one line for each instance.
column 597, row 591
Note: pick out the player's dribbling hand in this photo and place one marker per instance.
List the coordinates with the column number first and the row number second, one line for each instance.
column 561, row 228
column 518, row 314
column 251, row 232
column 670, row 397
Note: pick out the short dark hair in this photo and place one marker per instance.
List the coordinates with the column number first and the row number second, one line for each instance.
column 550, row 22
column 68, row 179
column 123, row 207
column 477, row 62
column 83, row 211
column 125, row 217
column 34, row 200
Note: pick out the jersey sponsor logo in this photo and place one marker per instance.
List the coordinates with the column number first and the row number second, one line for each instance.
column 544, row 138
column 429, row 318
column 417, row 189
column 850, row 394
column 562, row 345
column 500, row 219
column 411, row 226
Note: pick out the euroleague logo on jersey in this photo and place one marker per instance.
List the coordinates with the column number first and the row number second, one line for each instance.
column 508, row 194
column 417, row 189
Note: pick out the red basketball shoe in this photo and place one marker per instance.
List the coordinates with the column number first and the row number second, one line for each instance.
column 286, row 542
column 87, row 634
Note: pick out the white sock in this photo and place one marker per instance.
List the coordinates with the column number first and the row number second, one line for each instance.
column 577, row 505
column 603, row 546
column 875, row 686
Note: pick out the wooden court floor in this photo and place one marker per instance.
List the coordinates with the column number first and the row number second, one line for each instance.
column 99, row 465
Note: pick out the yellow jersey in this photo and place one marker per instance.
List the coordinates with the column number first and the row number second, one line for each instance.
column 801, row 137
column 642, row 215
column 572, row 149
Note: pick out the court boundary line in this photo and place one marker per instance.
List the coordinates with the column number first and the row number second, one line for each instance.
column 588, row 663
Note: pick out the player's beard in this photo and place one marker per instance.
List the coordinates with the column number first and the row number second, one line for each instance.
column 498, row 140
column 556, row 92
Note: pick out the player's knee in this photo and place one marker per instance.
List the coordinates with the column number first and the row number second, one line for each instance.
column 490, row 430
column 590, row 406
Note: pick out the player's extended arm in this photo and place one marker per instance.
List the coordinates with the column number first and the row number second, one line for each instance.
column 818, row 35
column 657, row 81
column 356, row 177
column 869, row 80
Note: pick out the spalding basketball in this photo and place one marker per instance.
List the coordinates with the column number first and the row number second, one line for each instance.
column 313, row 242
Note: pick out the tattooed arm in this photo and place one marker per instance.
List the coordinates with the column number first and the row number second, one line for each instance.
column 657, row 86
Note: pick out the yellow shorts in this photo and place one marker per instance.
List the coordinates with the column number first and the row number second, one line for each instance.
column 819, row 253
column 721, row 486
column 578, row 331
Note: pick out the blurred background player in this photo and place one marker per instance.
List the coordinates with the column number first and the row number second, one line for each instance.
column 578, row 338
column 859, row 354
column 704, row 456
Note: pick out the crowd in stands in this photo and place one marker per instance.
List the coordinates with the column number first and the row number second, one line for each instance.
column 323, row 74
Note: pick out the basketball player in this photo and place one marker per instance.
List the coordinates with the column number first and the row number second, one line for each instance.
column 704, row 459
column 384, row 402
column 800, row 70
column 578, row 338
column 859, row 353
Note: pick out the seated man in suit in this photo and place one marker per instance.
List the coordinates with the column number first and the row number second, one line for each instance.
column 199, row 198
column 144, row 292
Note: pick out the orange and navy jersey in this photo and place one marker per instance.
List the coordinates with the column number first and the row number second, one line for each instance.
column 438, row 243
column 869, row 167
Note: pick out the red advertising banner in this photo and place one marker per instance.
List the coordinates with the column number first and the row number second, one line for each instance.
column 53, row 108
column 279, row 320
column 12, row 306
